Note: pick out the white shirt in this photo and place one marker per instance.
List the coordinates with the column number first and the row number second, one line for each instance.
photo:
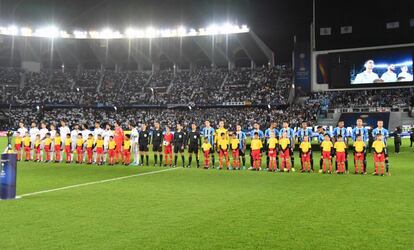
column 74, row 136
column 64, row 131
column 43, row 133
column 365, row 77
column 33, row 132
column 85, row 134
column 106, row 134
column 96, row 132
column 389, row 77
column 134, row 135
column 22, row 131
column 408, row 77
column 52, row 134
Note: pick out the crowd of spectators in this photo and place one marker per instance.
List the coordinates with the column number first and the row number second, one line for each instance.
column 246, row 117
column 393, row 98
column 203, row 86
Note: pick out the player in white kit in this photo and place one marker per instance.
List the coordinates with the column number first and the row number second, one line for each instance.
column 85, row 133
column 64, row 131
column 135, row 146
column 33, row 132
column 74, row 136
column 106, row 134
column 43, row 131
column 22, row 132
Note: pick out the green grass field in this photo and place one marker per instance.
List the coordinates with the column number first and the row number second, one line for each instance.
column 209, row 209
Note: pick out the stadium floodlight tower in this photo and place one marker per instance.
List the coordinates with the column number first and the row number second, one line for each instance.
column 8, row 170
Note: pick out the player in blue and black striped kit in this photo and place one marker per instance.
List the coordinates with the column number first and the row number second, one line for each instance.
column 300, row 134
column 290, row 134
column 208, row 132
column 380, row 130
column 241, row 136
column 340, row 130
column 362, row 131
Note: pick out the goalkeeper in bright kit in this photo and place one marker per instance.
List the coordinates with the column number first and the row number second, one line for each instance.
column 223, row 146
column 217, row 136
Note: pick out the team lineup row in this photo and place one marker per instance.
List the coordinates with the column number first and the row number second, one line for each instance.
column 102, row 145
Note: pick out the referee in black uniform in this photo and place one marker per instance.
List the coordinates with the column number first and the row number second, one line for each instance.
column 143, row 141
column 179, row 144
column 194, row 143
column 156, row 141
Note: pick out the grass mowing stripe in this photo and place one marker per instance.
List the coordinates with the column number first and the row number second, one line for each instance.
column 96, row 182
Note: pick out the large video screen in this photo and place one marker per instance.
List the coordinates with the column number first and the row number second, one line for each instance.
column 378, row 68
column 385, row 67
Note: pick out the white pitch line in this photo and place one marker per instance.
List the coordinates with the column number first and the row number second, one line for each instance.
column 96, row 182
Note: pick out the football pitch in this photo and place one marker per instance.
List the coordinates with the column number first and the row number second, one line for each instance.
column 102, row 207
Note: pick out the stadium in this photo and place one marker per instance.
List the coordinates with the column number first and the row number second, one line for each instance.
column 206, row 124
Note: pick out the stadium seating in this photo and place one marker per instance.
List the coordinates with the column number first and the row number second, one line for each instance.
column 202, row 87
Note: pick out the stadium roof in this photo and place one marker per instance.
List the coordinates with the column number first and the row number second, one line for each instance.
column 197, row 49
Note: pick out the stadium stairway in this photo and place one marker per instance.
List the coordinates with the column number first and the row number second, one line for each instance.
column 101, row 78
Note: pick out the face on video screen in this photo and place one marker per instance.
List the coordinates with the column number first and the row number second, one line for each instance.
column 382, row 67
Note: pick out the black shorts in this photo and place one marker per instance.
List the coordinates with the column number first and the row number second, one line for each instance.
column 143, row 147
column 178, row 148
column 241, row 152
column 157, row 148
column 193, row 149
column 212, row 150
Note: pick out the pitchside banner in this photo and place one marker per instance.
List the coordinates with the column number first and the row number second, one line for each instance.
column 302, row 67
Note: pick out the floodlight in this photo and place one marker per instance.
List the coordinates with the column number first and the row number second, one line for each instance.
column 64, row 34
column 26, row 31
column 12, row 30
column 181, row 31
column 49, row 31
column 79, row 34
column 131, row 33
column 150, row 32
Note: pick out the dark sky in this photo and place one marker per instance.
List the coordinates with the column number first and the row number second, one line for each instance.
column 274, row 21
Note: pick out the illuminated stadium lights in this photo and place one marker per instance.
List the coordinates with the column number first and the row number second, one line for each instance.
column 181, row 31
column 107, row 33
column 26, row 31
column 150, row 32
column 50, row 31
column 80, row 34
column 12, row 30
column 64, row 34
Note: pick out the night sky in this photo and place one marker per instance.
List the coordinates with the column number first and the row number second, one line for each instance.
column 275, row 22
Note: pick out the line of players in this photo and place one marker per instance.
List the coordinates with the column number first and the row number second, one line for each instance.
column 102, row 145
